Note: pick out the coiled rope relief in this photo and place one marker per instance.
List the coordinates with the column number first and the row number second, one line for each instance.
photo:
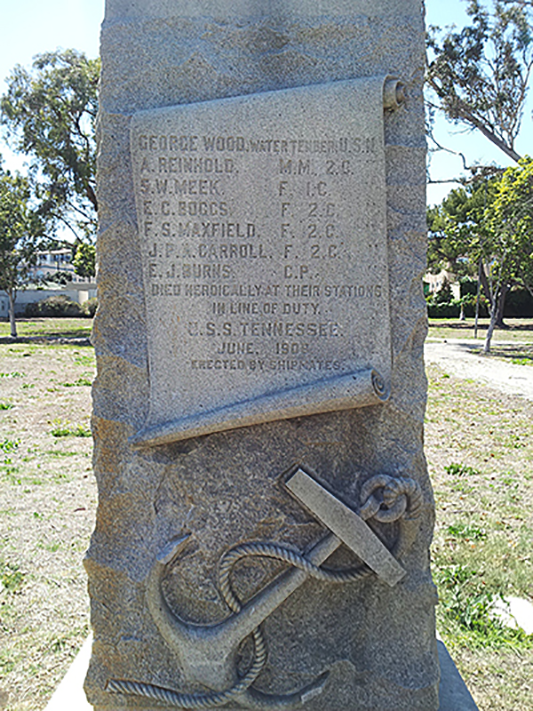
column 385, row 499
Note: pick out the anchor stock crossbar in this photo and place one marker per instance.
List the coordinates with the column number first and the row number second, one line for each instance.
column 208, row 653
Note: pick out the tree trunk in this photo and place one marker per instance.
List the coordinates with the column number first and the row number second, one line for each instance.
column 486, row 286
column 478, row 294
column 92, row 196
column 493, row 318
column 12, row 322
column 501, row 305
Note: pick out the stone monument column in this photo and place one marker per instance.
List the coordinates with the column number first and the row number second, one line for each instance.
column 264, row 512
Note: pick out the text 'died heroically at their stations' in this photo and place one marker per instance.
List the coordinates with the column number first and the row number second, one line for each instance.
column 263, row 240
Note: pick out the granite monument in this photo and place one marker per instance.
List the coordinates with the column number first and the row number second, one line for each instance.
column 264, row 509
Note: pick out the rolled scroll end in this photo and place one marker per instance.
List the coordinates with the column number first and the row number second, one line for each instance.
column 381, row 388
column 393, row 94
column 343, row 392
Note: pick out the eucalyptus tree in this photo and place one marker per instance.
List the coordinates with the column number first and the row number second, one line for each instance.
column 49, row 114
column 511, row 226
column 21, row 236
column 478, row 76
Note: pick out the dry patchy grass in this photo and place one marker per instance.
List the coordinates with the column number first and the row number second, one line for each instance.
column 518, row 354
column 479, row 445
column 519, row 329
column 47, row 505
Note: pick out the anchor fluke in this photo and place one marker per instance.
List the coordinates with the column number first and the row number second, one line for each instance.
column 208, row 653
column 172, row 549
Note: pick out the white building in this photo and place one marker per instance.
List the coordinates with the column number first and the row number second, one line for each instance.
column 53, row 261
column 435, row 282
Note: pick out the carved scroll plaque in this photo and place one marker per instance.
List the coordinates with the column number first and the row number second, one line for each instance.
column 263, row 239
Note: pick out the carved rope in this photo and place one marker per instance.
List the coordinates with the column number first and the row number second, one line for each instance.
column 400, row 500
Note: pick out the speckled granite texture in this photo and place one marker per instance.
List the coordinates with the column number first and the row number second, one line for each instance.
column 377, row 642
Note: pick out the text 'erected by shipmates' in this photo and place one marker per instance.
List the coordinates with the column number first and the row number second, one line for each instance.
column 262, row 225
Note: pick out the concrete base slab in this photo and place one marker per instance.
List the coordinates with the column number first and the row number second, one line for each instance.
column 454, row 694
column 69, row 695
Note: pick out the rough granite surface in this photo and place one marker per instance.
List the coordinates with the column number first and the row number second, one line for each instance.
column 377, row 641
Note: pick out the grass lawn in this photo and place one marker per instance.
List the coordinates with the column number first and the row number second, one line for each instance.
column 49, row 327
column 520, row 330
column 479, row 445
column 47, row 509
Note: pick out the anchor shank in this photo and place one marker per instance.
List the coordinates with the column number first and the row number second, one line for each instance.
column 256, row 610
column 207, row 653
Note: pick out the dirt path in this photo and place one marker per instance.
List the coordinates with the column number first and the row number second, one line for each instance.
column 457, row 358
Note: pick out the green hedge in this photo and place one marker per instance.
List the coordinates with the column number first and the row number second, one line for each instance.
column 55, row 306
column 518, row 304
column 89, row 307
column 444, row 310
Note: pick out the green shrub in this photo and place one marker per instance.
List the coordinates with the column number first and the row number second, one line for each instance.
column 60, row 277
column 441, row 303
column 444, row 295
column 55, row 306
column 451, row 310
column 518, row 304
column 89, row 307
column 470, row 307
column 468, row 286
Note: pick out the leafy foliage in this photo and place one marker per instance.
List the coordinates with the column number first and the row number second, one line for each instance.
column 84, row 261
column 511, row 237
column 21, row 235
column 50, row 115
column 512, row 224
column 16, row 244
column 59, row 306
column 479, row 75
column 487, row 227
column 458, row 228
column 60, row 277
column 89, row 307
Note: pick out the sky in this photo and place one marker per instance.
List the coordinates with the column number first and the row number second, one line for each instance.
column 476, row 148
column 31, row 27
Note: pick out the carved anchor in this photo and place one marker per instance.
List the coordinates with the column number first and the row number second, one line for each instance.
column 208, row 654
